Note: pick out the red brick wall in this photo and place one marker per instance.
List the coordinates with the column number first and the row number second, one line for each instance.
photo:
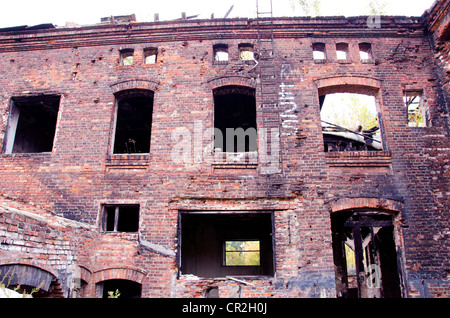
column 80, row 175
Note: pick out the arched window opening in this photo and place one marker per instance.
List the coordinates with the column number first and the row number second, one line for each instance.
column 365, row 255
column 350, row 122
column 133, row 121
column 235, row 119
column 20, row 280
column 119, row 288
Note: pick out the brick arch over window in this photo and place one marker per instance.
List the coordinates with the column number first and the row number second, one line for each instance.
column 134, row 84
column 25, row 273
column 348, row 84
column 365, row 235
column 128, row 273
column 232, row 81
column 34, row 263
column 366, row 203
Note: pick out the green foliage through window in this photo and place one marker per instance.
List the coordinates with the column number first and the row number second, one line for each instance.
column 242, row 253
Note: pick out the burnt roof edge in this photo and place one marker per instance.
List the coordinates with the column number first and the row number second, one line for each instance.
column 181, row 30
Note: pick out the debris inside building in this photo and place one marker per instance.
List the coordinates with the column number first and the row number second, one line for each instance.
column 216, row 158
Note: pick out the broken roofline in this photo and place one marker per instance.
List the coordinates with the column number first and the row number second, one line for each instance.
column 211, row 29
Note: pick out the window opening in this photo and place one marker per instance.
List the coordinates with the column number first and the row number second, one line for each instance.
column 365, row 255
column 120, row 218
column 126, row 56
column 319, row 52
column 418, row 115
column 220, row 53
column 350, row 122
column 235, row 119
column 32, row 124
column 221, row 244
column 134, row 121
column 211, row 292
column 246, row 52
column 150, row 55
column 242, row 253
column 119, row 288
column 342, row 51
column 26, row 281
column 365, row 52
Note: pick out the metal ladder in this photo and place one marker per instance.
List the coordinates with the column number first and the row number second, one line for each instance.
column 265, row 49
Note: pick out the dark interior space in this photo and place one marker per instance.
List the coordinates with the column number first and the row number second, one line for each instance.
column 365, row 255
column 33, row 123
column 134, row 121
column 203, row 243
column 123, row 218
column 125, row 288
column 235, row 107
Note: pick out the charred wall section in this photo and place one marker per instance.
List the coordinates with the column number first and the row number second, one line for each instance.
column 80, row 186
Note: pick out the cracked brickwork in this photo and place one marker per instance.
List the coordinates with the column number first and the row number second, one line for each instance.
column 51, row 202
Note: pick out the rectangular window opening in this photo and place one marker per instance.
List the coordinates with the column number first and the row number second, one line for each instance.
column 350, row 122
column 220, row 53
column 418, row 114
column 126, row 56
column 222, row 243
column 235, row 119
column 365, row 52
column 150, row 55
column 32, row 124
column 242, row 253
column 120, row 218
column 342, row 51
column 246, row 52
column 319, row 53
column 134, row 121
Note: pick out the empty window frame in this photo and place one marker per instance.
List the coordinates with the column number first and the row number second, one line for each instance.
column 220, row 53
column 365, row 255
column 126, row 56
column 365, row 52
column 246, row 52
column 118, row 288
column 150, row 55
column 417, row 112
column 242, row 253
column 220, row 244
column 120, row 218
column 133, row 121
column 319, row 52
column 235, row 119
column 32, row 124
column 342, row 51
column 350, row 122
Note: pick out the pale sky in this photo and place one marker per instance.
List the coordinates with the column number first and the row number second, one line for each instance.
column 33, row 12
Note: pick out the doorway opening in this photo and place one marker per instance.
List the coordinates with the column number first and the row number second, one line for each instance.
column 365, row 255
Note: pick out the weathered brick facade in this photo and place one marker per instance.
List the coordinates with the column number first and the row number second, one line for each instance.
column 52, row 202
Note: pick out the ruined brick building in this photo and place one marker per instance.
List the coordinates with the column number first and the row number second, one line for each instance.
column 112, row 176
